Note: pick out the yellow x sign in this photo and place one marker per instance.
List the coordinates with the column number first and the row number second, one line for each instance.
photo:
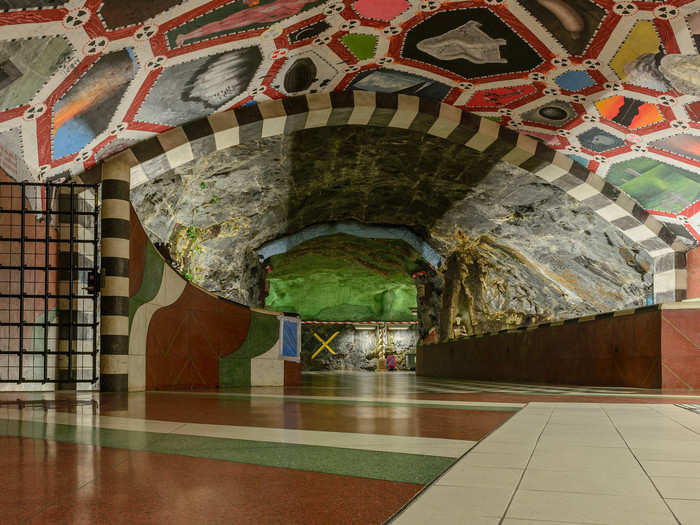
column 324, row 344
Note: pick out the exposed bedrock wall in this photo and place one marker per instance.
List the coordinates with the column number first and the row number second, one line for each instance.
column 180, row 145
column 181, row 336
column 651, row 347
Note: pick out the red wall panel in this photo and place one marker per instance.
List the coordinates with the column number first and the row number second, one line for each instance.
column 612, row 351
column 680, row 339
column 186, row 339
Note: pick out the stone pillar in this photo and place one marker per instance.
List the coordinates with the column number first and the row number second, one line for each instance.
column 693, row 268
column 114, row 320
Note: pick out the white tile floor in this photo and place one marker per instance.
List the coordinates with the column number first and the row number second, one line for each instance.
column 569, row 463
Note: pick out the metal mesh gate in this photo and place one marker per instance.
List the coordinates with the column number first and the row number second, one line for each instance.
column 49, row 289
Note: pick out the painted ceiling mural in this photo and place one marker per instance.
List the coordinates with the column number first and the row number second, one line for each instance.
column 615, row 85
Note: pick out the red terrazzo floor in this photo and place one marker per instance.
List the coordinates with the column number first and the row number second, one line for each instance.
column 46, row 482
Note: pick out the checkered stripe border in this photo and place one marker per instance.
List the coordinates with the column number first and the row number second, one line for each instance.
column 218, row 131
column 116, row 227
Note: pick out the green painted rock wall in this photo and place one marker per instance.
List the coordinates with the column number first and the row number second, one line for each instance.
column 345, row 278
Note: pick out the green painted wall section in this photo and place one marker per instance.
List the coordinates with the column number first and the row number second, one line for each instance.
column 345, row 278
column 152, row 277
column 263, row 333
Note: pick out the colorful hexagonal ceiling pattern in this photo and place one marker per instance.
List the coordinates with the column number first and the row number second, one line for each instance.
column 613, row 84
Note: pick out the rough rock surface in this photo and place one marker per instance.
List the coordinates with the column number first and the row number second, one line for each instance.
column 518, row 249
column 528, row 252
column 214, row 211
column 233, row 200
column 355, row 349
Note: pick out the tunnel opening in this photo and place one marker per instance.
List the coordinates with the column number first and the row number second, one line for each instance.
column 358, row 299
column 516, row 249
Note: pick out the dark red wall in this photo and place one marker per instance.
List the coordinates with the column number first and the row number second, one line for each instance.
column 693, row 262
column 680, row 341
column 613, row 351
column 186, row 339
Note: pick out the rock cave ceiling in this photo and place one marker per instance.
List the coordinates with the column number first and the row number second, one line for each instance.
column 614, row 85
column 216, row 210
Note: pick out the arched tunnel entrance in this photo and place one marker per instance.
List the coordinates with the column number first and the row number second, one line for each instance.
column 365, row 294
column 519, row 249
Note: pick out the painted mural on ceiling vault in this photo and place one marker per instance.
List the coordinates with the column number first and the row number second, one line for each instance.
column 615, row 85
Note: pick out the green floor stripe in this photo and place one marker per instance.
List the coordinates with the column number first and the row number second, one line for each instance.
column 351, row 402
column 389, row 466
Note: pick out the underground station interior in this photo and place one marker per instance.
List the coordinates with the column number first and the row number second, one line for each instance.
column 349, row 262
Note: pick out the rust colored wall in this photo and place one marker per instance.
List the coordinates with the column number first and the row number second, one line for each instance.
column 292, row 373
column 186, row 339
column 611, row 351
column 680, row 340
column 693, row 265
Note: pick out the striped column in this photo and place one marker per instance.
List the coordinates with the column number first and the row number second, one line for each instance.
column 670, row 276
column 114, row 319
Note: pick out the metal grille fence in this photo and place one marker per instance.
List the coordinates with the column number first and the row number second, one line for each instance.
column 49, row 284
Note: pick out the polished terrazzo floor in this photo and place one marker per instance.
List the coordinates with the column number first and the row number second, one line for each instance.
column 353, row 448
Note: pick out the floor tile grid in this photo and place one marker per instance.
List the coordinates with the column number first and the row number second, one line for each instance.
column 634, row 498
column 446, row 501
column 529, row 460
column 681, row 490
column 584, row 472
column 607, row 411
column 684, row 417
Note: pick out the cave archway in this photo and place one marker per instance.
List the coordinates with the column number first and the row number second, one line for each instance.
column 147, row 160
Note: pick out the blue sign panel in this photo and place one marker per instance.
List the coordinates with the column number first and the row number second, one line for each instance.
column 289, row 339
